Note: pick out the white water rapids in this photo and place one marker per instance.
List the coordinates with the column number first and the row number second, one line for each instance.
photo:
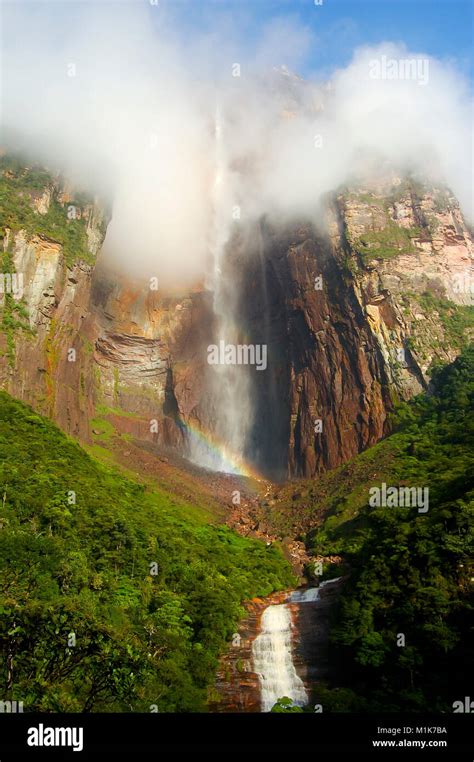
column 272, row 651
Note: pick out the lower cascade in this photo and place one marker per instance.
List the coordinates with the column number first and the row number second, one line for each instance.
column 311, row 594
column 273, row 653
column 273, row 660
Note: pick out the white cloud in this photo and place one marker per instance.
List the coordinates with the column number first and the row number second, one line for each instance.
column 138, row 117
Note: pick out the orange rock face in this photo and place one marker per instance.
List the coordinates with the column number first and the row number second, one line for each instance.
column 342, row 313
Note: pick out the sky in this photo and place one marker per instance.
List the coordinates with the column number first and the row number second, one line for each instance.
column 441, row 28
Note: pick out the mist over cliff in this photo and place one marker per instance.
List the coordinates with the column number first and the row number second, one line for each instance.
column 115, row 96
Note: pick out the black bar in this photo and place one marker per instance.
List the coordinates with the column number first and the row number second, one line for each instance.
column 127, row 734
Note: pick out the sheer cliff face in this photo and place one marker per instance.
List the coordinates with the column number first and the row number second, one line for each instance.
column 47, row 336
column 353, row 317
column 356, row 317
column 151, row 358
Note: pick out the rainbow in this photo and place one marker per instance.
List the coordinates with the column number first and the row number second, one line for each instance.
column 220, row 457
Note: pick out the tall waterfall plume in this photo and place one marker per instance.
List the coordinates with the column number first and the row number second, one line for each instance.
column 229, row 384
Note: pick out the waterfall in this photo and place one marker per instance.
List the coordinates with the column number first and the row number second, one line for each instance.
column 230, row 384
column 273, row 661
column 272, row 651
column 311, row 594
